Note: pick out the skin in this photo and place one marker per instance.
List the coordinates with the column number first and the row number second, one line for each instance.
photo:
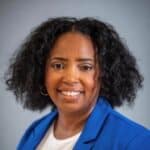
column 71, row 80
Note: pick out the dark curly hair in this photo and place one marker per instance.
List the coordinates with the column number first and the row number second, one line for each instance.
column 120, row 76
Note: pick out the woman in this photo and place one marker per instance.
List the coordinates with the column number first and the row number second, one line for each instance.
column 83, row 70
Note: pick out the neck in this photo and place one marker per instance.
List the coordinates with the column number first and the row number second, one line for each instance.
column 68, row 124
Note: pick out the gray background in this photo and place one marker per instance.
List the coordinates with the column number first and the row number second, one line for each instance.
column 131, row 18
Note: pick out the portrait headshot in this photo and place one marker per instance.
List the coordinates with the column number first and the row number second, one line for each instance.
column 75, row 75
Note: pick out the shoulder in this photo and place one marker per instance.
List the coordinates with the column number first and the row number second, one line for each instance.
column 126, row 132
column 125, row 123
column 108, row 129
column 36, row 129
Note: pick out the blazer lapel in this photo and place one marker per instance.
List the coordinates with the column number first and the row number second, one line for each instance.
column 39, row 131
column 93, row 126
column 89, row 134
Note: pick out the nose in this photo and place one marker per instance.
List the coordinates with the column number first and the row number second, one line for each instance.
column 71, row 75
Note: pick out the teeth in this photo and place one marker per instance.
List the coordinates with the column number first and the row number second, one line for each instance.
column 70, row 93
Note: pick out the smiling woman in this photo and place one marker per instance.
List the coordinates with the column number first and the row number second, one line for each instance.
column 81, row 68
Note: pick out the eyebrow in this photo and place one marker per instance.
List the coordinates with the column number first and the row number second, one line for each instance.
column 78, row 59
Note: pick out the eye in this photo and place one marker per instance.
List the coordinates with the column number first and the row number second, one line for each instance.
column 86, row 67
column 57, row 66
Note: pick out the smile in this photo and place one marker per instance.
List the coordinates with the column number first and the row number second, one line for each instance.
column 70, row 93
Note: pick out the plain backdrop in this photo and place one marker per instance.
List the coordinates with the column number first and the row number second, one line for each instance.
column 131, row 18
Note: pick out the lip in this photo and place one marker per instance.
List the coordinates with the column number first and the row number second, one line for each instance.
column 70, row 94
column 70, row 90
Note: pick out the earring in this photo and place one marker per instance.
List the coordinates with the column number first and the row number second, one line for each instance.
column 43, row 92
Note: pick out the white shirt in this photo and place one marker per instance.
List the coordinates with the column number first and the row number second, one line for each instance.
column 49, row 141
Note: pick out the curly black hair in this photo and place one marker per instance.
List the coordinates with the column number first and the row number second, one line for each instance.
column 120, row 75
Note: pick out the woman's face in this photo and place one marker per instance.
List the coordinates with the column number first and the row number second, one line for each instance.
column 71, row 75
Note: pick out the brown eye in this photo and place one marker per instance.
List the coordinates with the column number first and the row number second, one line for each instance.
column 57, row 66
column 86, row 67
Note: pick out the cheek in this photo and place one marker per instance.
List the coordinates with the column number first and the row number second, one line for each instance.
column 92, row 83
column 50, row 80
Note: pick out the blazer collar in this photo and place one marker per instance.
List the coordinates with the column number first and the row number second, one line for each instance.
column 89, row 133
column 93, row 125
column 40, row 128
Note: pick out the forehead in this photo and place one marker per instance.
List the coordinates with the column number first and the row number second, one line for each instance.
column 73, row 44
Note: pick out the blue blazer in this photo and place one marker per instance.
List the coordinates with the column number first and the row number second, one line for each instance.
column 105, row 129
